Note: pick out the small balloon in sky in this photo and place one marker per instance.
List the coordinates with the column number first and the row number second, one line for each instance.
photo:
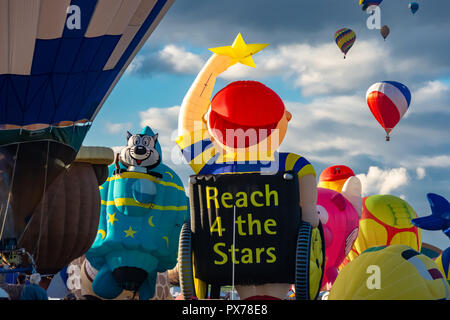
column 413, row 6
column 385, row 31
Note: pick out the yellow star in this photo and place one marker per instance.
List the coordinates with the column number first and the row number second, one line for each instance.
column 240, row 52
column 112, row 218
column 129, row 233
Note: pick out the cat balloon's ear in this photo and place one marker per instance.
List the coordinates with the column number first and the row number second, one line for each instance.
column 128, row 135
column 155, row 137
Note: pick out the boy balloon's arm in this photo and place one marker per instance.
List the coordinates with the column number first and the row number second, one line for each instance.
column 308, row 199
column 196, row 102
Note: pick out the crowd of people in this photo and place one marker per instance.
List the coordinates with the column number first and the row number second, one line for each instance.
column 25, row 288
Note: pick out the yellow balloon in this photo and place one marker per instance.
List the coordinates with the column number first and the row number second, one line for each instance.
column 395, row 272
column 386, row 220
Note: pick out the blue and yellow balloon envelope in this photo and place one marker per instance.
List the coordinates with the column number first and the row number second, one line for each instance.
column 140, row 223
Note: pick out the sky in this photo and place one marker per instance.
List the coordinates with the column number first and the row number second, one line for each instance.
column 331, row 123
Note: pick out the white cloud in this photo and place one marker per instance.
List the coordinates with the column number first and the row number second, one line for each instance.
column 321, row 69
column 431, row 89
column 172, row 59
column 115, row 128
column 379, row 181
column 440, row 161
column 164, row 121
column 421, row 173
column 314, row 69
column 181, row 60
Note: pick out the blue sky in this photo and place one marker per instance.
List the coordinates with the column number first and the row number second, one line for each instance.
column 326, row 94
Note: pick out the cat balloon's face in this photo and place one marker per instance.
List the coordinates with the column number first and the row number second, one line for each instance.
column 140, row 151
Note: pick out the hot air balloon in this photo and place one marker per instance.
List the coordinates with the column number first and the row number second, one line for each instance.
column 439, row 218
column 386, row 220
column 385, row 31
column 345, row 38
column 334, row 177
column 64, row 224
column 443, row 263
column 394, row 272
column 413, row 6
column 339, row 217
column 367, row 3
column 144, row 205
column 59, row 61
column 388, row 101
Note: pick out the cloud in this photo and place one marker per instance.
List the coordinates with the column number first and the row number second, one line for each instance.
column 171, row 59
column 115, row 128
column 290, row 25
column 315, row 69
column 434, row 96
column 439, row 161
column 379, row 181
column 164, row 121
column 421, row 173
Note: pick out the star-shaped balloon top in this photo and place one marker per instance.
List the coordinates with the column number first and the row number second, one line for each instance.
column 240, row 52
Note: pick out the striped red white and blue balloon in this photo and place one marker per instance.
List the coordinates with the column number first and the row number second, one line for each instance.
column 388, row 101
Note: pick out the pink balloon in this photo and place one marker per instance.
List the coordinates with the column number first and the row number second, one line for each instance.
column 340, row 222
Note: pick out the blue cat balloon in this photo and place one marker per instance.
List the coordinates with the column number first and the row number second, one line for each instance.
column 143, row 208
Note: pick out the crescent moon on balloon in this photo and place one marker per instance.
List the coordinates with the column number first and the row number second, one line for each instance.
column 150, row 221
column 167, row 241
column 102, row 232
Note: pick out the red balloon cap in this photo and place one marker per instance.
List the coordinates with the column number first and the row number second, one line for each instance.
column 248, row 103
column 337, row 172
column 245, row 105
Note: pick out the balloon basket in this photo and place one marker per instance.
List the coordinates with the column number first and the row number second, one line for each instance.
column 388, row 138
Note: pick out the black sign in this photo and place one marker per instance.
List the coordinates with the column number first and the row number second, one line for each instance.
column 249, row 219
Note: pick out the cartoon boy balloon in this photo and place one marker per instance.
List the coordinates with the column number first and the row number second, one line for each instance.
column 239, row 130
column 218, row 135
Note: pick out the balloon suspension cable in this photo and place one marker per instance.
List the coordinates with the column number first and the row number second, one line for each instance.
column 36, row 249
column 234, row 254
column 5, row 214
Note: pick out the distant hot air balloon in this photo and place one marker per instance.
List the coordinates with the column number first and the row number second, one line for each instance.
column 388, row 101
column 345, row 38
column 385, row 31
column 59, row 61
column 367, row 3
column 413, row 6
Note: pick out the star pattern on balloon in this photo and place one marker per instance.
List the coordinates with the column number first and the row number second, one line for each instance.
column 240, row 52
column 112, row 218
column 130, row 232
